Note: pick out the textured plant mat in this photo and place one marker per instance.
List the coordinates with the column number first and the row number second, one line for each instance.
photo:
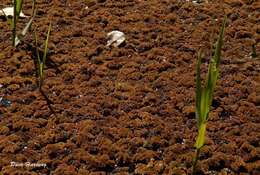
column 130, row 109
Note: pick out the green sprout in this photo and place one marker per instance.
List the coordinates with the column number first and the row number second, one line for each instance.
column 42, row 60
column 204, row 95
column 17, row 10
column 16, row 39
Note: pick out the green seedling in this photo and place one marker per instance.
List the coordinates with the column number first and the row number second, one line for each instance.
column 42, row 60
column 204, row 95
column 16, row 39
column 17, row 10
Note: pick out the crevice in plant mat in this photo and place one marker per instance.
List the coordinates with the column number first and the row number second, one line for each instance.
column 49, row 102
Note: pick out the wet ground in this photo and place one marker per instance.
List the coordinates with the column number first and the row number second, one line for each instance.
column 130, row 110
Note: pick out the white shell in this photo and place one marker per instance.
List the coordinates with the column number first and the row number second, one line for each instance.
column 9, row 11
column 115, row 38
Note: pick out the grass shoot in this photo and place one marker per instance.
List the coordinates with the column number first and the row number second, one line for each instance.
column 41, row 60
column 17, row 9
column 204, row 95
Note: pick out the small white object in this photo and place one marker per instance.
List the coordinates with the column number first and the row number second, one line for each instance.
column 115, row 38
column 9, row 11
column 86, row 7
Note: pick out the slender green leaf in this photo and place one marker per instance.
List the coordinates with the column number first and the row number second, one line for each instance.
column 18, row 7
column 212, row 36
column 16, row 13
column 46, row 44
column 217, row 53
column 198, row 87
column 42, row 61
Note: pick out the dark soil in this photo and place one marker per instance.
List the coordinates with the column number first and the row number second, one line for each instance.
column 130, row 110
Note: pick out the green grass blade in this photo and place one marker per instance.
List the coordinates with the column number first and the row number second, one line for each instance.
column 204, row 105
column 18, row 7
column 40, row 65
column 46, row 45
column 198, row 87
column 16, row 13
column 212, row 35
column 220, row 42
column 213, row 70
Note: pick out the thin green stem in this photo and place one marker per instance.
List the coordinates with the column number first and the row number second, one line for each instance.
column 42, row 60
column 41, row 74
column 14, row 23
column 195, row 161
column 46, row 45
column 201, row 135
